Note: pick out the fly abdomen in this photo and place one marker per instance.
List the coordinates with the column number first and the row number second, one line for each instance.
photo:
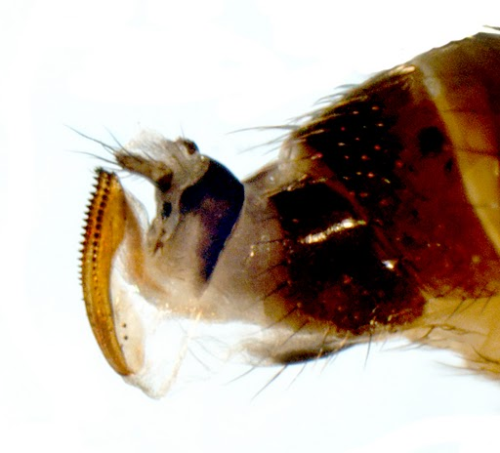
column 380, row 216
column 416, row 149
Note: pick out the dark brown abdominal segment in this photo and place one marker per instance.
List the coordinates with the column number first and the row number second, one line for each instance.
column 336, row 272
column 104, row 231
column 384, row 164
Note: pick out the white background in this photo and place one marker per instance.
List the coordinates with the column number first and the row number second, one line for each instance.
column 201, row 69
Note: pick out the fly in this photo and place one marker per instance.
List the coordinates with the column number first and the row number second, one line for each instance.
column 380, row 217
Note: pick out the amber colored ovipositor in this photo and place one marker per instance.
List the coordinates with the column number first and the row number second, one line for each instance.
column 104, row 232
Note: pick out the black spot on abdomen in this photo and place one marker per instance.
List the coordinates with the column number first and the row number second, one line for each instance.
column 430, row 141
